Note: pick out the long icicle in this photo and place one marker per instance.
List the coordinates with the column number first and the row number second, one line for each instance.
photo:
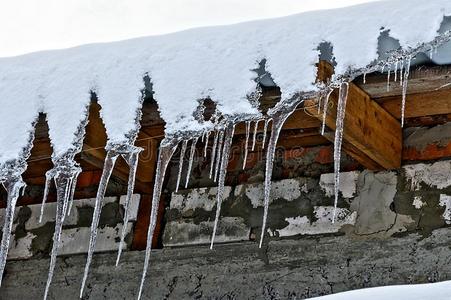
column 62, row 183
column 132, row 161
column 405, row 82
column 218, row 155
column 48, row 181
column 246, row 145
column 110, row 161
column 13, row 187
column 265, row 129
column 278, row 120
column 190, row 162
column 166, row 151
column 182, row 156
column 213, row 153
column 339, row 126
column 229, row 131
column 206, row 144
column 254, row 138
column 72, row 193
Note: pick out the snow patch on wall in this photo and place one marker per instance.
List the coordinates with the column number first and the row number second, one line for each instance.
column 445, row 201
column 230, row 229
column 347, row 187
column 418, row 202
column 436, row 175
column 288, row 189
column 323, row 224
column 203, row 198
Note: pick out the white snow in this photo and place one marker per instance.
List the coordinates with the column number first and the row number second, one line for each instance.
column 436, row 291
column 194, row 64
column 445, row 201
column 436, row 175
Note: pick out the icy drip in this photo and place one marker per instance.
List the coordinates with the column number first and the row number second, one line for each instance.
column 265, row 129
column 182, row 155
column 219, row 153
column 325, row 106
column 167, row 149
column 206, row 144
column 132, row 161
column 246, row 145
column 339, row 126
column 213, row 153
column 13, row 186
column 229, row 131
column 278, row 119
column 63, row 186
column 190, row 163
column 388, row 79
column 72, row 192
column 405, row 81
column 254, row 138
column 48, row 181
column 110, row 161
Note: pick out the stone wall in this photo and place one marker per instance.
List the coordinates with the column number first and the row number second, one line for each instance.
column 31, row 238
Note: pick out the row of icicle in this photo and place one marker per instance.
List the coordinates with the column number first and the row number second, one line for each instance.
column 65, row 174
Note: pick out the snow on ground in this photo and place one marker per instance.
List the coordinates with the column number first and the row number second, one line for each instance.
column 184, row 67
column 436, row 291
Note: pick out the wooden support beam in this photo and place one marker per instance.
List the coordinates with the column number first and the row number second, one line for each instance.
column 371, row 135
column 420, row 104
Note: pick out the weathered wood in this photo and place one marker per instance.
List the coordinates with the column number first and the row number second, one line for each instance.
column 371, row 134
column 420, row 104
column 421, row 79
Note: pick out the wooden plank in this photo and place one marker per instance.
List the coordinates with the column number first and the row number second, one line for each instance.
column 371, row 134
column 419, row 105
column 421, row 79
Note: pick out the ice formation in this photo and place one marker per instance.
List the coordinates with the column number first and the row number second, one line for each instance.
column 60, row 83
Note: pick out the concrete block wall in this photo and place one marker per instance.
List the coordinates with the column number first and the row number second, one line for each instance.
column 416, row 198
column 30, row 238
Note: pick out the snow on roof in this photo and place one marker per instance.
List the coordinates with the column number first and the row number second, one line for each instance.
column 184, row 67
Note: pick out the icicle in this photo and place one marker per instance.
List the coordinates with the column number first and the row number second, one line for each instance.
column 182, row 156
column 110, row 161
column 218, row 154
column 72, row 193
column 203, row 136
column 246, row 145
column 388, row 79
column 401, row 70
column 254, row 139
column 396, row 70
column 404, row 90
column 206, row 144
column 339, row 126
column 325, row 107
column 167, row 149
column 190, row 163
column 48, row 181
column 132, row 161
column 364, row 78
column 63, row 177
column 277, row 122
column 13, row 186
column 213, row 153
column 229, row 131
column 265, row 129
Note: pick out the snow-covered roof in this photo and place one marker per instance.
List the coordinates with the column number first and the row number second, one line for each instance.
column 216, row 62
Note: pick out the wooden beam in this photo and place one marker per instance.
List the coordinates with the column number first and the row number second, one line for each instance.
column 421, row 79
column 420, row 104
column 371, row 135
